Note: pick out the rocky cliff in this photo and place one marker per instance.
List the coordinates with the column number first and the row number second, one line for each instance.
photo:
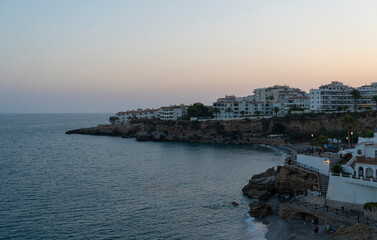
column 232, row 132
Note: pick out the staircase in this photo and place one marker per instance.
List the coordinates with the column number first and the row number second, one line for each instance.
column 323, row 184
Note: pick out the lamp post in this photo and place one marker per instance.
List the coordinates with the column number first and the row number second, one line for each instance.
column 312, row 135
column 351, row 138
column 348, row 139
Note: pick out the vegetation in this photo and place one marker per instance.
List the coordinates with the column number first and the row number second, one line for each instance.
column 278, row 128
column 113, row 119
column 368, row 135
column 374, row 99
column 337, row 168
column 276, row 110
column 322, row 139
column 370, row 206
column 355, row 95
column 228, row 110
column 294, row 109
column 216, row 111
column 199, row 110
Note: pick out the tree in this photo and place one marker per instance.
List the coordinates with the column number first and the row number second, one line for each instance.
column 199, row 110
column 257, row 113
column 276, row 110
column 348, row 122
column 228, row 110
column 278, row 128
column 355, row 95
column 242, row 113
column 113, row 119
column 374, row 99
column 339, row 108
column 216, row 111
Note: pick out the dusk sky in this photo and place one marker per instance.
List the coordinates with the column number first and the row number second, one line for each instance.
column 106, row 56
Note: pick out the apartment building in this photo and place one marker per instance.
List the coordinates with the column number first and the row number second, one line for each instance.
column 127, row 116
column 173, row 112
column 367, row 92
column 331, row 97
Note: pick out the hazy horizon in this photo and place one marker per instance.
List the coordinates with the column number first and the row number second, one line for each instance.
column 107, row 56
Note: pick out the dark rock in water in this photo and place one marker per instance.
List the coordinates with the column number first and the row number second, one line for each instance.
column 358, row 231
column 235, row 204
column 261, row 186
column 158, row 136
column 260, row 209
column 143, row 136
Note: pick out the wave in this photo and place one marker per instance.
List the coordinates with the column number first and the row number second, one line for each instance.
column 256, row 230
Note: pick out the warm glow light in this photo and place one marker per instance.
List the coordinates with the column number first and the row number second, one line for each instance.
column 327, row 161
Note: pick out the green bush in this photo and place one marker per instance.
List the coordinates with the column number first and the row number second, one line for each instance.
column 370, row 206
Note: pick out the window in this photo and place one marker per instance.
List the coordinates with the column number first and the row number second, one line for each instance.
column 359, row 152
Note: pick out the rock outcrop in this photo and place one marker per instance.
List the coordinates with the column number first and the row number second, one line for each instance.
column 143, row 136
column 261, row 186
column 356, row 232
column 290, row 179
column 260, row 209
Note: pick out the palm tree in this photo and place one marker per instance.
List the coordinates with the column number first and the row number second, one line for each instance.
column 216, row 111
column 228, row 110
column 257, row 113
column 242, row 113
column 355, row 95
column 276, row 110
column 374, row 99
column 348, row 122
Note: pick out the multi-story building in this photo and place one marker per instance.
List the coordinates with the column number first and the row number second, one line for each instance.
column 331, row 97
column 127, row 116
column 173, row 112
column 367, row 92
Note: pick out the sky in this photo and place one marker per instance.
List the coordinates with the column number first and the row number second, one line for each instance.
column 106, row 56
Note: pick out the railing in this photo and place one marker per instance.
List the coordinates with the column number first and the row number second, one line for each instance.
column 346, row 214
column 304, row 166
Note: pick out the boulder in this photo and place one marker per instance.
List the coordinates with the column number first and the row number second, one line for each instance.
column 356, row 232
column 261, row 186
column 143, row 136
column 260, row 209
column 294, row 180
column 158, row 136
column 235, row 204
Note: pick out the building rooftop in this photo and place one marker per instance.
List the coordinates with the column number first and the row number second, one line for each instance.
column 366, row 160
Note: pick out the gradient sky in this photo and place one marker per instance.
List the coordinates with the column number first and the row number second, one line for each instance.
column 106, row 56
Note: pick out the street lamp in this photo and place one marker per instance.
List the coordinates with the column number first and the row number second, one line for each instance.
column 351, row 138
column 312, row 135
column 347, row 138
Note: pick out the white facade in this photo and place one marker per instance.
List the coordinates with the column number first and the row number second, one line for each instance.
column 360, row 186
column 127, row 116
column 331, row 97
column 322, row 164
column 172, row 112
column 351, row 190
column 367, row 92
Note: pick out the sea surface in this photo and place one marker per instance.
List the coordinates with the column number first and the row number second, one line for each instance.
column 58, row 186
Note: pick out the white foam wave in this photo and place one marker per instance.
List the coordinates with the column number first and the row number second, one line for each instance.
column 256, row 231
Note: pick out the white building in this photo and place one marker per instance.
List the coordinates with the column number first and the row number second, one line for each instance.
column 127, row 116
column 360, row 186
column 367, row 92
column 173, row 112
column 331, row 97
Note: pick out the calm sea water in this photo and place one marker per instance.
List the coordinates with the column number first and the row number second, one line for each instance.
column 58, row 186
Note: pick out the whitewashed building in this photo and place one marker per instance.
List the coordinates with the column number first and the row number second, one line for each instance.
column 127, row 116
column 359, row 186
column 331, row 97
column 173, row 112
column 367, row 92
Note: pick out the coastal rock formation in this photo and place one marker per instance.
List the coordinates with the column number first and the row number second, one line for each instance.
column 290, row 179
column 158, row 136
column 261, row 186
column 288, row 211
column 260, row 209
column 143, row 136
column 356, row 232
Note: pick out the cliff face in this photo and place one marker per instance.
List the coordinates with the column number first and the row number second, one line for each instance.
column 228, row 132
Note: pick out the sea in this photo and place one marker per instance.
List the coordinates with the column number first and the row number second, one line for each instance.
column 58, row 186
